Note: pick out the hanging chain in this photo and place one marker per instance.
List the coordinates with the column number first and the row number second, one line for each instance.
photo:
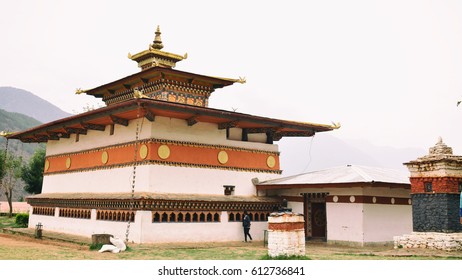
column 135, row 163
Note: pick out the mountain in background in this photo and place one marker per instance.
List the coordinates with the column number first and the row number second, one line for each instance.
column 11, row 122
column 24, row 102
column 301, row 155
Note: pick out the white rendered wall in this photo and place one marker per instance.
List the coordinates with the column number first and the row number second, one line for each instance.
column 200, row 232
column 168, row 179
column 98, row 181
column 345, row 222
column 154, row 178
column 144, row 231
column 383, row 222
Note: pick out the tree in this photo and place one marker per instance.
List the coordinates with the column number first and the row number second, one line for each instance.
column 10, row 176
column 32, row 173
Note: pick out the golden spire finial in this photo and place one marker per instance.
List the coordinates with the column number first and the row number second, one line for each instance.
column 157, row 44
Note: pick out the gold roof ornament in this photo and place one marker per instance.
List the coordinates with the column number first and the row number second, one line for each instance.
column 157, row 44
column 79, row 91
column 154, row 57
column 5, row 133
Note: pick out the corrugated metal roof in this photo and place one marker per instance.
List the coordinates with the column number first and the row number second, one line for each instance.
column 344, row 174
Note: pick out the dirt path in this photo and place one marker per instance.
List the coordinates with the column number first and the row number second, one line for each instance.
column 19, row 247
column 16, row 247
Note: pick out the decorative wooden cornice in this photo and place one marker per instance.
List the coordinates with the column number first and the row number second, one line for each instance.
column 153, row 204
column 75, row 130
column 92, row 126
column 226, row 125
column 117, row 120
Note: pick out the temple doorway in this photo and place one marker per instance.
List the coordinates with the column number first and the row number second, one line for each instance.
column 315, row 216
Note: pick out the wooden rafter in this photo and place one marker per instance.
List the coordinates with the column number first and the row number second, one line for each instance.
column 149, row 115
column 93, row 126
column 75, row 130
column 118, row 120
column 225, row 125
column 261, row 130
column 192, row 120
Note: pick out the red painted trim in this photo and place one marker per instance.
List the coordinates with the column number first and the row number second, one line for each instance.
column 286, row 226
column 195, row 155
column 439, row 184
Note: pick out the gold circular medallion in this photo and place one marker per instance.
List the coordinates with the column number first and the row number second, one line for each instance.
column 223, row 157
column 68, row 163
column 47, row 165
column 271, row 162
column 163, row 151
column 104, row 157
column 143, row 151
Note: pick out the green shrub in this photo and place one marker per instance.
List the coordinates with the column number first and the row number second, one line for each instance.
column 22, row 220
column 96, row 247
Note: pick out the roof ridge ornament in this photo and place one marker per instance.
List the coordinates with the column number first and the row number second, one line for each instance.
column 155, row 57
column 157, row 43
column 440, row 148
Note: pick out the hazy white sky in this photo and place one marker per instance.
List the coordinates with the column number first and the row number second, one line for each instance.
column 389, row 71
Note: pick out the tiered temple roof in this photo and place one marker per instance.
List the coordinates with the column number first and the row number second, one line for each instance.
column 160, row 90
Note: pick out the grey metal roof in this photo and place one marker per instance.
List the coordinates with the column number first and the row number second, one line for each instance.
column 344, row 174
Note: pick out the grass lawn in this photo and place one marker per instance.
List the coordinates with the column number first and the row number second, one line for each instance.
column 20, row 247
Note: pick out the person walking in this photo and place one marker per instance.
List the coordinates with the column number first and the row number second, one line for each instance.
column 246, row 225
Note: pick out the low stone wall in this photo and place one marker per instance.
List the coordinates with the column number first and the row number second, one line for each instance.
column 430, row 240
column 286, row 234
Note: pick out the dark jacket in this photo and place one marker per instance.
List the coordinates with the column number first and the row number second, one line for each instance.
column 246, row 221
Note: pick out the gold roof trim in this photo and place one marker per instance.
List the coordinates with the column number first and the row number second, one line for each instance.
column 153, row 56
column 241, row 80
column 141, row 55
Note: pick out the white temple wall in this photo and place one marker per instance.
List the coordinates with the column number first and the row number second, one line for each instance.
column 154, row 178
column 345, row 222
column 99, row 181
column 144, row 231
column 297, row 207
column 201, row 232
column 168, row 179
column 383, row 222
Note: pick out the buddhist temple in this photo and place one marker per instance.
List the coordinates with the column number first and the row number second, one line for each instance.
column 156, row 164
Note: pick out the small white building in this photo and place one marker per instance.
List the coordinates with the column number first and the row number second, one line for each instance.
column 348, row 204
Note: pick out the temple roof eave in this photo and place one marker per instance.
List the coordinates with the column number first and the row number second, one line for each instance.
column 129, row 110
column 152, row 72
